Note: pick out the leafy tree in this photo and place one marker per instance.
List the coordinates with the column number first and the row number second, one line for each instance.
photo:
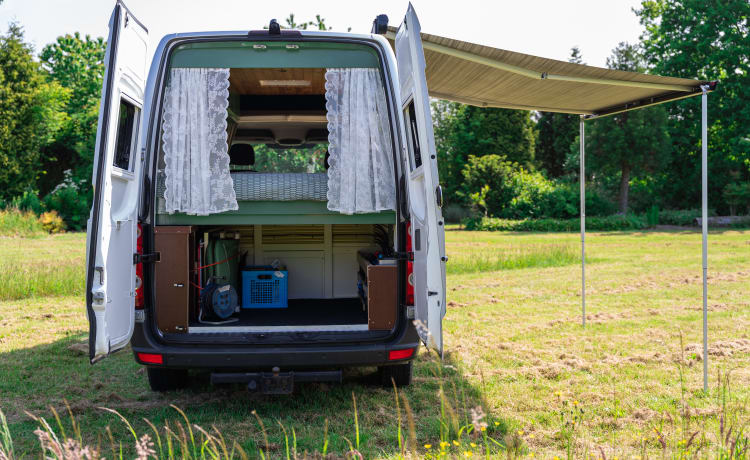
column 307, row 160
column 706, row 40
column 77, row 64
column 630, row 143
column 557, row 131
column 30, row 113
column 464, row 130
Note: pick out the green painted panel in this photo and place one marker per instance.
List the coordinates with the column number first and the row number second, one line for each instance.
column 275, row 55
column 278, row 213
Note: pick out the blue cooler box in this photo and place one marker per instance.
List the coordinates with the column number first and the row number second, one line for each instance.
column 264, row 287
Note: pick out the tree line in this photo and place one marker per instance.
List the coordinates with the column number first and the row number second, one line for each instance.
column 496, row 162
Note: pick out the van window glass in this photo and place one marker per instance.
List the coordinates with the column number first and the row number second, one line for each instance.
column 127, row 131
column 415, row 155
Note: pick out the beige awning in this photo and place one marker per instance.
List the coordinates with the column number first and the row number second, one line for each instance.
column 491, row 77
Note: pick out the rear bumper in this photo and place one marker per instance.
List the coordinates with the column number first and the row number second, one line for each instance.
column 249, row 357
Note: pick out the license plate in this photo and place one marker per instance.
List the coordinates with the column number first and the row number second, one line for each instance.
column 277, row 384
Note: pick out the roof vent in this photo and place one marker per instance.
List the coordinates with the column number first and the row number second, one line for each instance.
column 380, row 25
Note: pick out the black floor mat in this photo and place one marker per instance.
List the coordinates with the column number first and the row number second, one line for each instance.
column 305, row 312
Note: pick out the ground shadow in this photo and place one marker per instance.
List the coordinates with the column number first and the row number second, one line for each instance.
column 54, row 374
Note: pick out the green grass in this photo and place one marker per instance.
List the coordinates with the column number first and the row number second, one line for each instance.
column 17, row 223
column 514, row 346
column 36, row 267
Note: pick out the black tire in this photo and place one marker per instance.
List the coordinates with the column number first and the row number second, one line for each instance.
column 398, row 373
column 160, row 379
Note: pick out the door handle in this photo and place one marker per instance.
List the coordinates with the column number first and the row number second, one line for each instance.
column 439, row 196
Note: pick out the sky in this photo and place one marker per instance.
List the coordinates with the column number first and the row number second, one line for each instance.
column 547, row 28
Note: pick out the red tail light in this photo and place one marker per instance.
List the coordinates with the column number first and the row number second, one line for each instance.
column 150, row 358
column 409, row 268
column 139, row 271
column 400, row 354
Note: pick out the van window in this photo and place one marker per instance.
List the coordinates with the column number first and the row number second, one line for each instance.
column 127, row 131
column 415, row 155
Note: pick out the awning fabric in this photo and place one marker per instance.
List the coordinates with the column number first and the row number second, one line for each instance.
column 491, row 77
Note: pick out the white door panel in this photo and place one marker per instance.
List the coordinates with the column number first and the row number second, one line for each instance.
column 428, row 233
column 112, row 226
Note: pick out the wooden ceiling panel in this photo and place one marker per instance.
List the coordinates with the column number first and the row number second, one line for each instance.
column 248, row 81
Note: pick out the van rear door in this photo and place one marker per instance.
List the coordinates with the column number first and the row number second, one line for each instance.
column 112, row 225
column 425, row 195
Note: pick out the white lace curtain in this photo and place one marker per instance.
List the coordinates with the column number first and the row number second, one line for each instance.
column 197, row 179
column 360, row 176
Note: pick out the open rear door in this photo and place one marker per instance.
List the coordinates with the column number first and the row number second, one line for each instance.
column 425, row 195
column 112, row 225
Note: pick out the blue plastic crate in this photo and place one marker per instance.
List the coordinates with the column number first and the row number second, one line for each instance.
column 264, row 287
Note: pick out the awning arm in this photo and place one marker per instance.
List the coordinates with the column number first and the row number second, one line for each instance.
column 654, row 100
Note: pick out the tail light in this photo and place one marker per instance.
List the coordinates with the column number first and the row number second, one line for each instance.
column 409, row 268
column 150, row 358
column 139, row 271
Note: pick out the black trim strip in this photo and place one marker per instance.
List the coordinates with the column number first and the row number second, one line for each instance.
column 96, row 207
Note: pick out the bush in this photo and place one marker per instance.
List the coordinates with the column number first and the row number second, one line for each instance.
column 14, row 222
column 515, row 193
column 609, row 223
column 52, row 222
column 29, row 201
column 71, row 202
column 683, row 218
column 455, row 213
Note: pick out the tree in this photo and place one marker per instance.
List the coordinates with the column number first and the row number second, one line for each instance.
column 630, row 143
column 77, row 64
column 464, row 130
column 706, row 40
column 557, row 131
column 30, row 113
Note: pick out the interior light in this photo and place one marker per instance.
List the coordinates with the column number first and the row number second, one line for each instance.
column 285, row 82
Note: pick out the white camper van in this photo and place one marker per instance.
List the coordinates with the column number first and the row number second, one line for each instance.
column 267, row 205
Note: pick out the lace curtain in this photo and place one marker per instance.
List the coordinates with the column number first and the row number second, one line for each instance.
column 197, row 179
column 360, row 176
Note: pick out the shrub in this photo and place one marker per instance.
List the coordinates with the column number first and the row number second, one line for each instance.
column 29, row 201
column 454, row 213
column 71, row 202
column 609, row 223
column 52, row 222
column 515, row 193
column 683, row 218
column 14, row 222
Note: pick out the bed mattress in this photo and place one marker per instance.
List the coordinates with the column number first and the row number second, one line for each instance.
column 252, row 186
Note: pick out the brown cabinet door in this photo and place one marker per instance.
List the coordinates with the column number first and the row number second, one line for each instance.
column 382, row 301
column 172, row 277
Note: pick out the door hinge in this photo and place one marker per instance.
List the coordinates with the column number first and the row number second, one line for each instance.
column 410, row 312
column 140, row 316
column 146, row 258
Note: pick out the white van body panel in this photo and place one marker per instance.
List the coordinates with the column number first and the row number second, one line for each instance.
column 427, row 230
column 112, row 226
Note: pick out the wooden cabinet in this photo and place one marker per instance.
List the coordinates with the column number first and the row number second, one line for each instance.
column 174, row 294
column 382, row 297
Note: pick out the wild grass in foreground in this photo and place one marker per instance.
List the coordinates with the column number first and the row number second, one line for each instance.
column 33, row 267
column 20, row 223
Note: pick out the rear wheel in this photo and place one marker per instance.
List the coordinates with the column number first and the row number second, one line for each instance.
column 400, row 374
column 166, row 379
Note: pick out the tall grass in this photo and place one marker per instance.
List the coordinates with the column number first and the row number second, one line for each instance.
column 35, row 267
column 20, row 223
column 482, row 258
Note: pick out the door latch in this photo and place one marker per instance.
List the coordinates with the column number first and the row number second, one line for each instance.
column 146, row 258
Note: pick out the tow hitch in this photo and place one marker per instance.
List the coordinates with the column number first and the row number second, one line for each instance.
column 275, row 382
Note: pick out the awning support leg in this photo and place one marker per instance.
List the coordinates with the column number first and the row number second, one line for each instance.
column 583, row 222
column 704, row 222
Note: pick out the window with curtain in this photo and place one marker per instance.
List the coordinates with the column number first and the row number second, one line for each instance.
column 196, row 159
column 360, row 176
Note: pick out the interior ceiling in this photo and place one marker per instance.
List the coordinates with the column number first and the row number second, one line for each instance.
column 248, row 81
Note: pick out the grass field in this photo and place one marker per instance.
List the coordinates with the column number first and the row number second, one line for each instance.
column 514, row 346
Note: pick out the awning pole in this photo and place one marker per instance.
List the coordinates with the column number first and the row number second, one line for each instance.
column 583, row 222
column 704, row 221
